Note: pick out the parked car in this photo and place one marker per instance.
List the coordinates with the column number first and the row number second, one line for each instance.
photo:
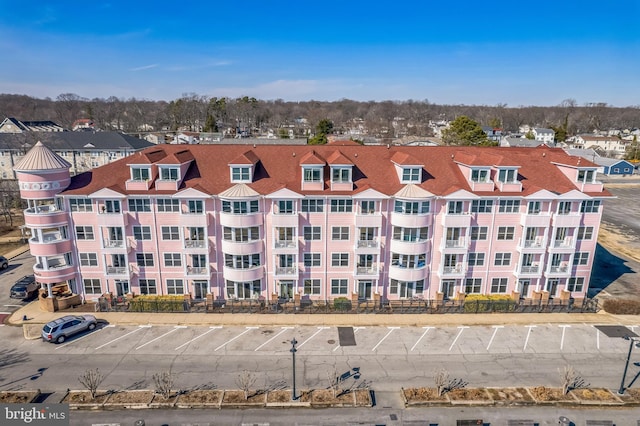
column 24, row 288
column 4, row 263
column 60, row 329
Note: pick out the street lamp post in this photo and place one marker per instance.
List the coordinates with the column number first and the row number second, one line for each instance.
column 632, row 341
column 293, row 351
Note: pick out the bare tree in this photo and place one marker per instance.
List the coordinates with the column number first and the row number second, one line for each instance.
column 164, row 383
column 91, row 379
column 441, row 380
column 571, row 379
column 333, row 378
column 245, row 380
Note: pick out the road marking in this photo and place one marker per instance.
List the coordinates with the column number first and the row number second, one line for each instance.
column 391, row 330
column 217, row 327
column 531, row 327
column 229, row 341
column 79, row 338
column 279, row 333
column 11, row 306
column 6, row 313
column 355, row 330
column 495, row 330
column 564, row 328
column 314, row 335
column 175, row 328
column 426, row 330
column 597, row 337
column 462, row 327
column 140, row 327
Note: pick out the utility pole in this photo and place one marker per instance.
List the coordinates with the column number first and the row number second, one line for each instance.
column 293, row 351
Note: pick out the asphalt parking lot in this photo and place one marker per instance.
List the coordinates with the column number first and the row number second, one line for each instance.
column 369, row 341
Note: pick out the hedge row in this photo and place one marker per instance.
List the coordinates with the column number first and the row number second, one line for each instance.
column 622, row 306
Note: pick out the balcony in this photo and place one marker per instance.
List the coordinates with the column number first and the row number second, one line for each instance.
column 242, row 247
column 113, row 243
column 567, row 220
column 455, row 246
column 197, row 270
column 410, row 247
column 286, row 271
column 369, row 220
column 567, row 244
column 532, row 246
column 44, row 215
column 367, row 246
column 286, row 244
column 54, row 272
column 529, row 271
column 411, row 220
column 456, row 220
column 241, row 220
column 562, row 270
column 196, row 220
column 113, row 219
column 535, row 220
column 243, row 275
column 457, row 271
column 408, row 274
column 195, row 244
column 50, row 246
column 367, row 271
column 284, row 220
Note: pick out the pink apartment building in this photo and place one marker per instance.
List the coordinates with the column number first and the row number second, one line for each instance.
column 315, row 222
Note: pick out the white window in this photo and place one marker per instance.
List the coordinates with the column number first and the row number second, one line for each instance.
column 473, row 285
column 147, row 286
column 341, row 206
column 499, row 285
column 92, row 286
column 585, row 232
column 340, row 233
column 311, row 286
column 240, row 174
column 476, row 259
column 502, row 259
column 144, row 259
column 84, row 233
column 88, row 259
column 172, row 259
column 507, row 175
column 141, row 233
column 408, row 260
column 505, row 232
column 175, row 286
column 80, row 205
column 479, row 175
column 240, row 207
column 312, row 233
column 284, row 207
column 166, row 205
column 590, row 206
column 111, row 206
column 169, row 173
column 534, row 207
column 170, row 233
column 240, row 235
column 312, row 205
column 479, row 233
column 339, row 286
column 312, row 174
column 411, row 174
column 481, row 206
column 509, row 206
column 455, row 207
column 586, row 176
column 410, row 234
column 411, row 207
column 367, row 207
column 246, row 261
column 341, row 174
column 564, row 207
column 406, row 289
column 311, row 259
column 139, row 205
column 581, row 258
column 340, row 259
column 140, row 173
column 575, row 284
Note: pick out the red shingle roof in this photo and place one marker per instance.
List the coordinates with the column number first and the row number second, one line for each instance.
column 279, row 167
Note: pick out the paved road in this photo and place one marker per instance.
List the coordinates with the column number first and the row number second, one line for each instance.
column 18, row 267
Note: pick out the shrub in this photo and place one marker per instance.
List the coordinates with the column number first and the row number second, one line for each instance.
column 622, row 306
column 151, row 303
column 341, row 304
column 491, row 303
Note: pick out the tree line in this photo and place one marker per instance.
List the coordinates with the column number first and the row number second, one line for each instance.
column 381, row 119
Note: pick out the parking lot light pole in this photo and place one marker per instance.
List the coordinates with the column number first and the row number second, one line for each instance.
column 632, row 341
column 293, row 351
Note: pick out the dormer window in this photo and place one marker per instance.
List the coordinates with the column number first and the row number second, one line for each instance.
column 586, row 176
column 169, row 173
column 508, row 175
column 241, row 174
column 312, row 174
column 480, row 175
column 411, row 175
column 140, row 173
column 341, row 174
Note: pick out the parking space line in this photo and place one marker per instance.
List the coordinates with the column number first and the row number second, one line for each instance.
column 79, row 338
column 526, row 341
column 426, row 330
column 391, row 330
column 355, row 330
column 175, row 328
column 597, row 337
column 248, row 329
column 461, row 327
column 495, row 330
column 140, row 327
column 11, row 306
column 279, row 333
column 564, row 328
column 313, row 335
column 217, row 327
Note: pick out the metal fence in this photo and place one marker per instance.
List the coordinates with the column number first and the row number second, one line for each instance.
column 345, row 306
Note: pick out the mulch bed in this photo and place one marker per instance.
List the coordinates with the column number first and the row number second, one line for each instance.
column 131, row 397
column 279, row 396
column 18, row 397
column 200, row 397
column 545, row 394
column 595, row 395
column 510, row 395
column 84, row 397
column 470, row 394
column 423, row 394
column 237, row 397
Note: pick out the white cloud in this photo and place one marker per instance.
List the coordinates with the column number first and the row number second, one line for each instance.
column 145, row 67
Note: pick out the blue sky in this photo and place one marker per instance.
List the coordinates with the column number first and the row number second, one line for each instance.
column 510, row 52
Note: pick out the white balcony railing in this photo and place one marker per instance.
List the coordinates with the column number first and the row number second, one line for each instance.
column 114, row 243
column 285, row 244
column 286, row 270
column 367, row 243
column 195, row 243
